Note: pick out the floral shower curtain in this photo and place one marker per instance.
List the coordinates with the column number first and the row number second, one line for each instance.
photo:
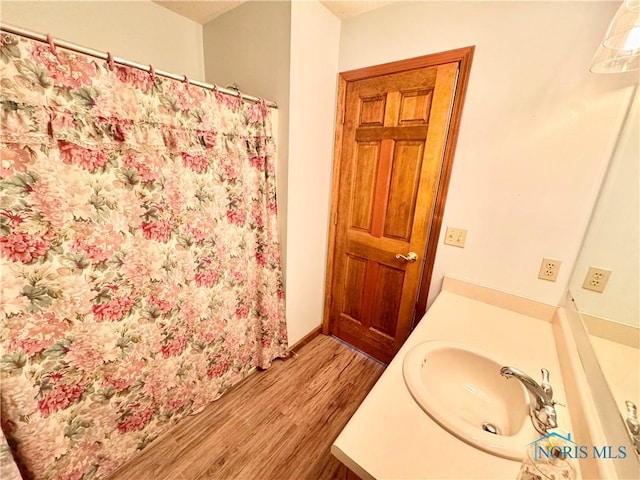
column 139, row 255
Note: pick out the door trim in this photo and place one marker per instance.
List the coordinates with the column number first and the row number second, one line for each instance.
column 464, row 57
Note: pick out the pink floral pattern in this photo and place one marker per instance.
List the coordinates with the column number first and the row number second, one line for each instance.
column 139, row 256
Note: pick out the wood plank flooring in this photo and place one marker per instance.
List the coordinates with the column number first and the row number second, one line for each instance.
column 278, row 424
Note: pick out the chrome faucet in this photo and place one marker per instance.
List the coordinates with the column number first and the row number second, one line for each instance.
column 542, row 410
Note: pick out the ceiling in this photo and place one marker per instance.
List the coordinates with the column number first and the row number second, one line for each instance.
column 205, row 11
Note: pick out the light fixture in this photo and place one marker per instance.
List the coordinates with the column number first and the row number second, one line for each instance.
column 620, row 48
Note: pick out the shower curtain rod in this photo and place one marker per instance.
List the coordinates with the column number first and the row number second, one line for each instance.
column 147, row 68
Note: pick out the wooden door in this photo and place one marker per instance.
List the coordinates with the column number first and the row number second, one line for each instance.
column 393, row 138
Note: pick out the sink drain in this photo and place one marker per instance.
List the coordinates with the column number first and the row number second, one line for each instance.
column 491, row 428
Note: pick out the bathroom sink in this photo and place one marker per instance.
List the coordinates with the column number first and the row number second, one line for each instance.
column 462, row 390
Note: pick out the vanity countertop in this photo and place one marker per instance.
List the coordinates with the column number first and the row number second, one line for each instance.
column 391, row 437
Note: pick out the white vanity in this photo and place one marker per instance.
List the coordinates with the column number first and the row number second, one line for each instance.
column 392, row 437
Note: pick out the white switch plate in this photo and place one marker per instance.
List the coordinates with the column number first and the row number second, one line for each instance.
column 549, row 269
column 596, row 279
column 455, row 236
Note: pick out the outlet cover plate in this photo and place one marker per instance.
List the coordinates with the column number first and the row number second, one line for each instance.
column 455, row 236
column 596, row 279
column 549, row 269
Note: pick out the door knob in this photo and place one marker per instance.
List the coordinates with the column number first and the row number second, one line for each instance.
column 409, row 257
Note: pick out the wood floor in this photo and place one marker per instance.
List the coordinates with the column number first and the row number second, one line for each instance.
column 278, row 424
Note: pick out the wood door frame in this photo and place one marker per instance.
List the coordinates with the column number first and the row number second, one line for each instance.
column 464, row 57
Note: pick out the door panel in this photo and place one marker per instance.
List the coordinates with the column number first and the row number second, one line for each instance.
column 393, row 138
column 354, row 287
column 364, row 175
column 386, row 301
column 403, row 189
column 372, row 111
column 415, row 107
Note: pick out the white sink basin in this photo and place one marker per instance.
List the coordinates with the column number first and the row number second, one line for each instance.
column 462, row 390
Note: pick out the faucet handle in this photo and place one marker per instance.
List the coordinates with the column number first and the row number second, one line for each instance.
column 545, row 385
column 632, row 418
column 633, row 426
column 550, row 414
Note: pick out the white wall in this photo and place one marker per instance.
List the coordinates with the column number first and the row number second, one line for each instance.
column 141, row 31
column 315, row 34
column 288, row 52
column 250, row 46
column 612, row 241
column 537, row 130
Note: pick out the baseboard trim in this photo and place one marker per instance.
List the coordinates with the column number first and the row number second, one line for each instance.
column 304, row 340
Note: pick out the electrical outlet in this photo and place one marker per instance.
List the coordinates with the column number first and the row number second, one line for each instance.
column 455, row 236
column 549, row 269
column 596, row 279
